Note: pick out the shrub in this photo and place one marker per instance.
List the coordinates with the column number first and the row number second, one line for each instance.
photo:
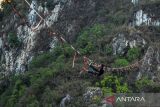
column 97, row 30
column 13, row 40
column 118, row 19
column 11, row 101
column 83, row 38
column 57, row 51
column 68, row 51
column 32, row 101
column 88, row 49
column 56, row 57
column 133, row 53
column 109, row 50
column 47, row 98
column 120, row 63
column 113, row 84
column 19, row 88
column 96, row 99
column 41, row 60
column 59, row 64
column 143, row 83
column 88, row 38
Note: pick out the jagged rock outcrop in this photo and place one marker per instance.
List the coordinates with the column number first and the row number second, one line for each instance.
column 91, row 93
column 145, row 19
column 135, row 2
column 65, row 100
column 150, row 64
column 124, row 40
column 18, row 59
column 145, row 13
column 39, row 40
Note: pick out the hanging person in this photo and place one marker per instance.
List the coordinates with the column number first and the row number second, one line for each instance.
column 93, row 68
column 97, row 70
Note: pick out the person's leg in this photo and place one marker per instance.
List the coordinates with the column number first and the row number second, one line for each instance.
column 92, row 70
column 95, row 71
column 101, row 72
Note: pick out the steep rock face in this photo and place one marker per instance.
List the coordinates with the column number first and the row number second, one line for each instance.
column 150, row 64
column 135, row 2
column 75, row 15
column 146, row 14
column 17, row 59
column 65, row 100
column 92, row 92
column 61, row 18
column 145, row 19
column 123, row 41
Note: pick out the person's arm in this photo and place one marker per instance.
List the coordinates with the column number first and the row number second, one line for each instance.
column 90, row 62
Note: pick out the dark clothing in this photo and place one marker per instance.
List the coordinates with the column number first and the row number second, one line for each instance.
column 101, row 71
column 92, row 70
column 95, row 71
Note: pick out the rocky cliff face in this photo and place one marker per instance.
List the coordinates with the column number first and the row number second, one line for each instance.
column 67, row 17
column 17, row 59
column 61, row 17
column 112, row 27
column 146, row 13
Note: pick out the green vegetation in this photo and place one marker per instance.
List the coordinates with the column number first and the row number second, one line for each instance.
column 13, row 40
column 109, row 50
column 96, row 100
column 87, row 40
column 45, row 82
column 133, row 54
column 143, row 84
column 118, row 19
column 114, row 84
column 120, row 62
column 32, row 83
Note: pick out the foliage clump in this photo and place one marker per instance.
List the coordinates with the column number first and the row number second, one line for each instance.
column 114, row 84
column 88, row 38
column 13, row 40
column 133, row 54
column 143, row 83
column 120, row 62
